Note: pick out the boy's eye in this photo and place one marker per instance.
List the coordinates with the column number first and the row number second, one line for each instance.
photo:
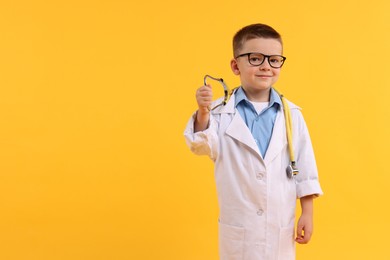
column 256, row 58
column 276, row 60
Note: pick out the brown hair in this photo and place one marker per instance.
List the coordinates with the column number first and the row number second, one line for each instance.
column 253, row 31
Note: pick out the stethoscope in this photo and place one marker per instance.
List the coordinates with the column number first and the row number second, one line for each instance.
column 291, row 169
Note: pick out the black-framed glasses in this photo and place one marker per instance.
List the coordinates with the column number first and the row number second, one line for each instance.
column 256, row 59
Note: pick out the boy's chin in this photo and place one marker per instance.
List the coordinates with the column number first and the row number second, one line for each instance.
column 261, row 88
column 258, row 87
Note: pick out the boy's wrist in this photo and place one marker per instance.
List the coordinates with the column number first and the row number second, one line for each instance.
column 203, row 111
column 307, row 205
column 202, row 114
column 201, row 120
column 308, row 213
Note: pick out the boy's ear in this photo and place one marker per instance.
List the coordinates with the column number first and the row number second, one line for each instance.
column 234, row 66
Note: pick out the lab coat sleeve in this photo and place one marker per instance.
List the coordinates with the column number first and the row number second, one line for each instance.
column 203, row 142
column 307, row 179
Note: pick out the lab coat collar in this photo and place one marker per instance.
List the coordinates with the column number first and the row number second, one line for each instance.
column 274, row 98
column 278, row 139
column 229, row 108
column 238, row 130
column 239, row 94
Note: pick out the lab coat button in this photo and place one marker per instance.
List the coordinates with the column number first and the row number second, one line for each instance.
column 259, row 176
column 260, row 212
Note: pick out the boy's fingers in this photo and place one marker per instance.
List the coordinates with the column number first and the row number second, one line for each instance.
column 205, row 89
column 204, row 94
column 299, row 231
column 303, row 237
column 307, row 236
column 299, row 237
column 204, row 97
column 303, row 240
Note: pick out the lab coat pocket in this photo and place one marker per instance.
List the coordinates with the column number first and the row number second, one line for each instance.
column 231, row 242
column 286, row 244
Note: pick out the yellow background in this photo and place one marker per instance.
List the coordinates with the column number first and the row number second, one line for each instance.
column 95, row 95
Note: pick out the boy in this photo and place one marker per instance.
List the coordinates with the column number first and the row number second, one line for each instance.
column 246, row 139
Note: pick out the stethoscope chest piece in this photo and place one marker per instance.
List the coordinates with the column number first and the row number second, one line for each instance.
column 292, row 170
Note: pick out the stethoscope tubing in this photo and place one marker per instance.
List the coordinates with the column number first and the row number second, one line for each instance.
column 292, row 169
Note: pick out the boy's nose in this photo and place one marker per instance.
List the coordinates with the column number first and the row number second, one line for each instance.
column 265, row 65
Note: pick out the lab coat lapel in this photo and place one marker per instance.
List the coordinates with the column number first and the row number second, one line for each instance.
column 278, row 139
column 238, row 130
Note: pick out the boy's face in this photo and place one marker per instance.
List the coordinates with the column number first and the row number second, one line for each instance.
column 262, row 77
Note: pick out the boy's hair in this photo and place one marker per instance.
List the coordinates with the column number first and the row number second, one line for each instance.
column 253, row 31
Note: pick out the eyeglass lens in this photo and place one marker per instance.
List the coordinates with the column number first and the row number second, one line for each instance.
column 257, row 59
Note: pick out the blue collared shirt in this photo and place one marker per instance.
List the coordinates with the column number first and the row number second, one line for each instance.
column 260, row 125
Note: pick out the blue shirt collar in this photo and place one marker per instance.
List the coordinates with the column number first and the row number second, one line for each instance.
column 240, row 96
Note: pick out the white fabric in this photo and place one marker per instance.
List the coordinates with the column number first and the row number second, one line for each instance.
column 259, row 106
column 256, row 199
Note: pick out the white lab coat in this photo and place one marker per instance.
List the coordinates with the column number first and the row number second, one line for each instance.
column 256, row 198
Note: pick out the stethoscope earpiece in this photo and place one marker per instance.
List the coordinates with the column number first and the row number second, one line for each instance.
column 225, row 89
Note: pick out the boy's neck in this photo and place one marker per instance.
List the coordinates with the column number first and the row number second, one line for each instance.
column 261, row 95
